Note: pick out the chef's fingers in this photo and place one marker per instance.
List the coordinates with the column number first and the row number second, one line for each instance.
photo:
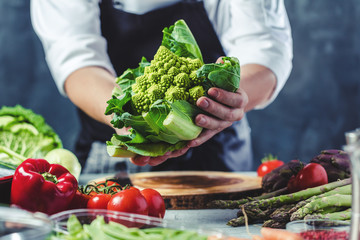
column 140, row 160
column 222, row 110
column 211, row 123
column 238, row 99
column 203, row 137
column 154, row 161
column 158, row 160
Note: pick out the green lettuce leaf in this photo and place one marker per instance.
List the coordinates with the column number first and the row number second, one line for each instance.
column 24, row 134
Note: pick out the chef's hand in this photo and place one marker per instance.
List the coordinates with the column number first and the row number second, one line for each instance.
column 223, row 107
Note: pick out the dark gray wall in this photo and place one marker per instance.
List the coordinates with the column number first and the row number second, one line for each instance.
column 319, row 103
column 321, row 99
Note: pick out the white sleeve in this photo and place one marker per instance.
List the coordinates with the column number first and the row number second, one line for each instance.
column 255, row 31
column 70, row 33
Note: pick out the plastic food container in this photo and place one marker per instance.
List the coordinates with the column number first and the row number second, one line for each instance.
column 22, row 225
column 320, row 229
column 86, row 216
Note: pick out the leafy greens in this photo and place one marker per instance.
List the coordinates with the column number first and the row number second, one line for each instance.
column 24, row 134
column 167, row 125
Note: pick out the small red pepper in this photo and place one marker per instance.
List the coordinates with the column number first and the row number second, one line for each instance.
column 40, row 186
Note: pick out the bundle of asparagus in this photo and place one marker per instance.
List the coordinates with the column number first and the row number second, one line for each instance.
column 329, row 201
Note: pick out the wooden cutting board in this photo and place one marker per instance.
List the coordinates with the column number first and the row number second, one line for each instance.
column 195, row 189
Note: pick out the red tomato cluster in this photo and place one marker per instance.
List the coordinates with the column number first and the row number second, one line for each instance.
column 112, row 196
column 312, row 175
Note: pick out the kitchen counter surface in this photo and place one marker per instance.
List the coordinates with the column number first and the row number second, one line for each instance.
column 207, row 219
column 212, row 219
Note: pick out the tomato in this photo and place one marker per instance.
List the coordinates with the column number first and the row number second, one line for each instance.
column 129, row 200
column 155, row 202
column 312, row 175
column 268, row 164
column 99, row 201
column 80, row 200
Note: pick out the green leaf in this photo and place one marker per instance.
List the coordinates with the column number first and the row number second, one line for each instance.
column 180, row 40
column 268, row 157
column 127, row 79
column 24, row 134
column 154, row 149
column 117, row 106
column 222, row 75
column 24, row 115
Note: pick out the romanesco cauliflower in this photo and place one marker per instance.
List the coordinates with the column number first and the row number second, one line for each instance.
column 168, row 77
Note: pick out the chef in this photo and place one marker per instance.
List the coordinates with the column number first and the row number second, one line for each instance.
column 88, row 43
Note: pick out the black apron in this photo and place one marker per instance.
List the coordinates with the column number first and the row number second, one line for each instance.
column 131, row 36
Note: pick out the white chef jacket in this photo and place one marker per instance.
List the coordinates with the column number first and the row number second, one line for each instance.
column 254, row 31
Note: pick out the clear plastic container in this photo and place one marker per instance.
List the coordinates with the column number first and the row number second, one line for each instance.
column 320, row 229
column 86, row 216
column 23, row 225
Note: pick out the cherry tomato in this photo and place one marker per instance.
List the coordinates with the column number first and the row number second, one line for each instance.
column 80, row 200
column 268, row 164
column 130, row 201
column 155, row 202
column 312, row 175
column 99, row 201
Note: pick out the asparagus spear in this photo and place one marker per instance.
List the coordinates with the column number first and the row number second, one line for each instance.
column 257, row 213
column 296, row 196
column 282, row 213
column 330, row 209
column 345, row 190
column 271, row 223
column 252, row 215
column 340, row 215
column 234, row 204
column 228, row 204
column 236, row 222
column 336, row 200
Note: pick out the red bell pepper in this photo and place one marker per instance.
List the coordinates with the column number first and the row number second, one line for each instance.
column 40, row 186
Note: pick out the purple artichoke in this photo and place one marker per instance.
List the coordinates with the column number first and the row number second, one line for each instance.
column 336, row 163
column 279, row 177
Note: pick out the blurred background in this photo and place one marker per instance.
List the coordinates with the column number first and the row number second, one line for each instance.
column 319, row 103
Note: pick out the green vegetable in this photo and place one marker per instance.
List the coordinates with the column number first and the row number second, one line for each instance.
column 157, row 99
column 337, row 200
column 344, row 190
column 99, row 229
column 271, row 223
column 24, row 134
column 339, row 215
column 281, row 208
column 236, row 204
column 65, row 158
column 296, row 196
